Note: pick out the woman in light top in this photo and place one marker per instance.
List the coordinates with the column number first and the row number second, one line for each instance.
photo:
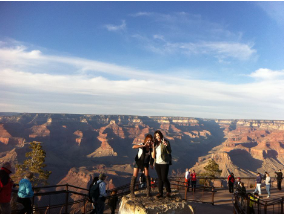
column 268, row 184
column 143, row 159
column 163, row 159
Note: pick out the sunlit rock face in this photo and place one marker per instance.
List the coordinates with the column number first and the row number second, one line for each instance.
column 143, row 205
column 249, row 146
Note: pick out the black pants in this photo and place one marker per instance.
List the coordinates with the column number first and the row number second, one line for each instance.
column 231, row 187
column 27, row 205
column 193, row 185
column 279, row 184
column 162, row 172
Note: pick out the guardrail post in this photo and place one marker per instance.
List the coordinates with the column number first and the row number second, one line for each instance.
column 185, row 192
column 67, row 198
column 248, row 200
column 213, row 192
column 265, row 208
column 282, row 206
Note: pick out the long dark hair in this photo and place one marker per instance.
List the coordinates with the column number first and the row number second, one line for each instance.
column 160, row 133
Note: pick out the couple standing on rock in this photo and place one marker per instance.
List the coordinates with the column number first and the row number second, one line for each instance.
column 158, row 149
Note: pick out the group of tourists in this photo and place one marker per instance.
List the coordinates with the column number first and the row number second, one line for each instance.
column 25, row 192
column 266, row 179
column 154, row 151
column 190, row 179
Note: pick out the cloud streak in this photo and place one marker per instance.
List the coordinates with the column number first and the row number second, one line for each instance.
column 29, row 75
column 110, row 27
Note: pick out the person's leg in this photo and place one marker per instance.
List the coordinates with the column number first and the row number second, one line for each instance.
column 100, row 206
column 159, row 173
column 133, row 181
column 148, row 182
column 193, row 184
column 259, row 188
column 164, row 173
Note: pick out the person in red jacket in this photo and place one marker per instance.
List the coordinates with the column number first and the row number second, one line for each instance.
column 6, row 185
column 193, row 180
column 231, row 182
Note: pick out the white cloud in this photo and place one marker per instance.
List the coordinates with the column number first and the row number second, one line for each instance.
column 116, row 27
column 32, row 78
column 274, row 9
column 267, row 74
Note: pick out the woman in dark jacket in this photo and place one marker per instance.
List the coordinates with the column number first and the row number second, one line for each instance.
column 163, row 159
column 143, row 159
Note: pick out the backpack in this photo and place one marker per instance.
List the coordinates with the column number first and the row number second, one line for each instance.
column 94, row 192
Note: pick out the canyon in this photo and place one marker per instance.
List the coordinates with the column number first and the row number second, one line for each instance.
column 79, row 147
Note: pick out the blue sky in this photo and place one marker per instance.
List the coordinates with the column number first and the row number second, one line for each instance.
column 192, row 59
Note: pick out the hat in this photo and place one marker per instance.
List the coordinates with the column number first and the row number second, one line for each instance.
column 7, row 165
column 101, row 176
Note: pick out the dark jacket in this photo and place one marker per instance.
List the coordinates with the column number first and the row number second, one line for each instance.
column 6, row 185
column 279, row 176
column 140, row 161
column 258, row 179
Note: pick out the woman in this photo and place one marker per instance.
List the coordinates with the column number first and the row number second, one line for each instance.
column 163, row 159
column 268, row 184
column 142, row 160
column 25, row 193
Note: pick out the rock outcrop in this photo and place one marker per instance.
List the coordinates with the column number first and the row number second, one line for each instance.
column 144, row 205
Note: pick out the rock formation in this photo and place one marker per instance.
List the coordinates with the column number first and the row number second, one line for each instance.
column 144, row 205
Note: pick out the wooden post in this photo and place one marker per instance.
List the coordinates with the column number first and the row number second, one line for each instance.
column 265, row 208
column 67, row 198
column 248, row 200
column 282, row 206
column 213, row 192
column 185, row 193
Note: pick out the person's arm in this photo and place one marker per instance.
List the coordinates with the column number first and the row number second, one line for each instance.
column 137, row 146
column 153, row 151
column 168, row 146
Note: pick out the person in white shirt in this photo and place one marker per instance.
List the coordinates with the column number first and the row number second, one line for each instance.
column 268, row 184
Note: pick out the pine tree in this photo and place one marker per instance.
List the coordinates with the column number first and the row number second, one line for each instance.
column 212, row 169
column 34, row 163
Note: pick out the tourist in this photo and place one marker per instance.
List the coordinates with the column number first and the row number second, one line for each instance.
column 279, row 178
column 6, row 185
column 94, row 181
column 143, row 159
column 100, row 204
column 163, row 158
column 113, row 201
column 267, row 184
column 238, row 184
column 153, row 183
column 258, row 184
column 193, row 180
column 25, row 193
column 142, row 180
column 253, row 198
column 186, row 178
column 231, row 182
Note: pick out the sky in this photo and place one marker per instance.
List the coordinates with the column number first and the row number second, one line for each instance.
column 222, row 60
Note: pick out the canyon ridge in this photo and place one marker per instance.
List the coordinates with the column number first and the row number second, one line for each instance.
column 81, row 146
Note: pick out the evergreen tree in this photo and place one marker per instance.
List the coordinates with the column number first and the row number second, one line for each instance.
column 212, row 169
column 34, row 163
